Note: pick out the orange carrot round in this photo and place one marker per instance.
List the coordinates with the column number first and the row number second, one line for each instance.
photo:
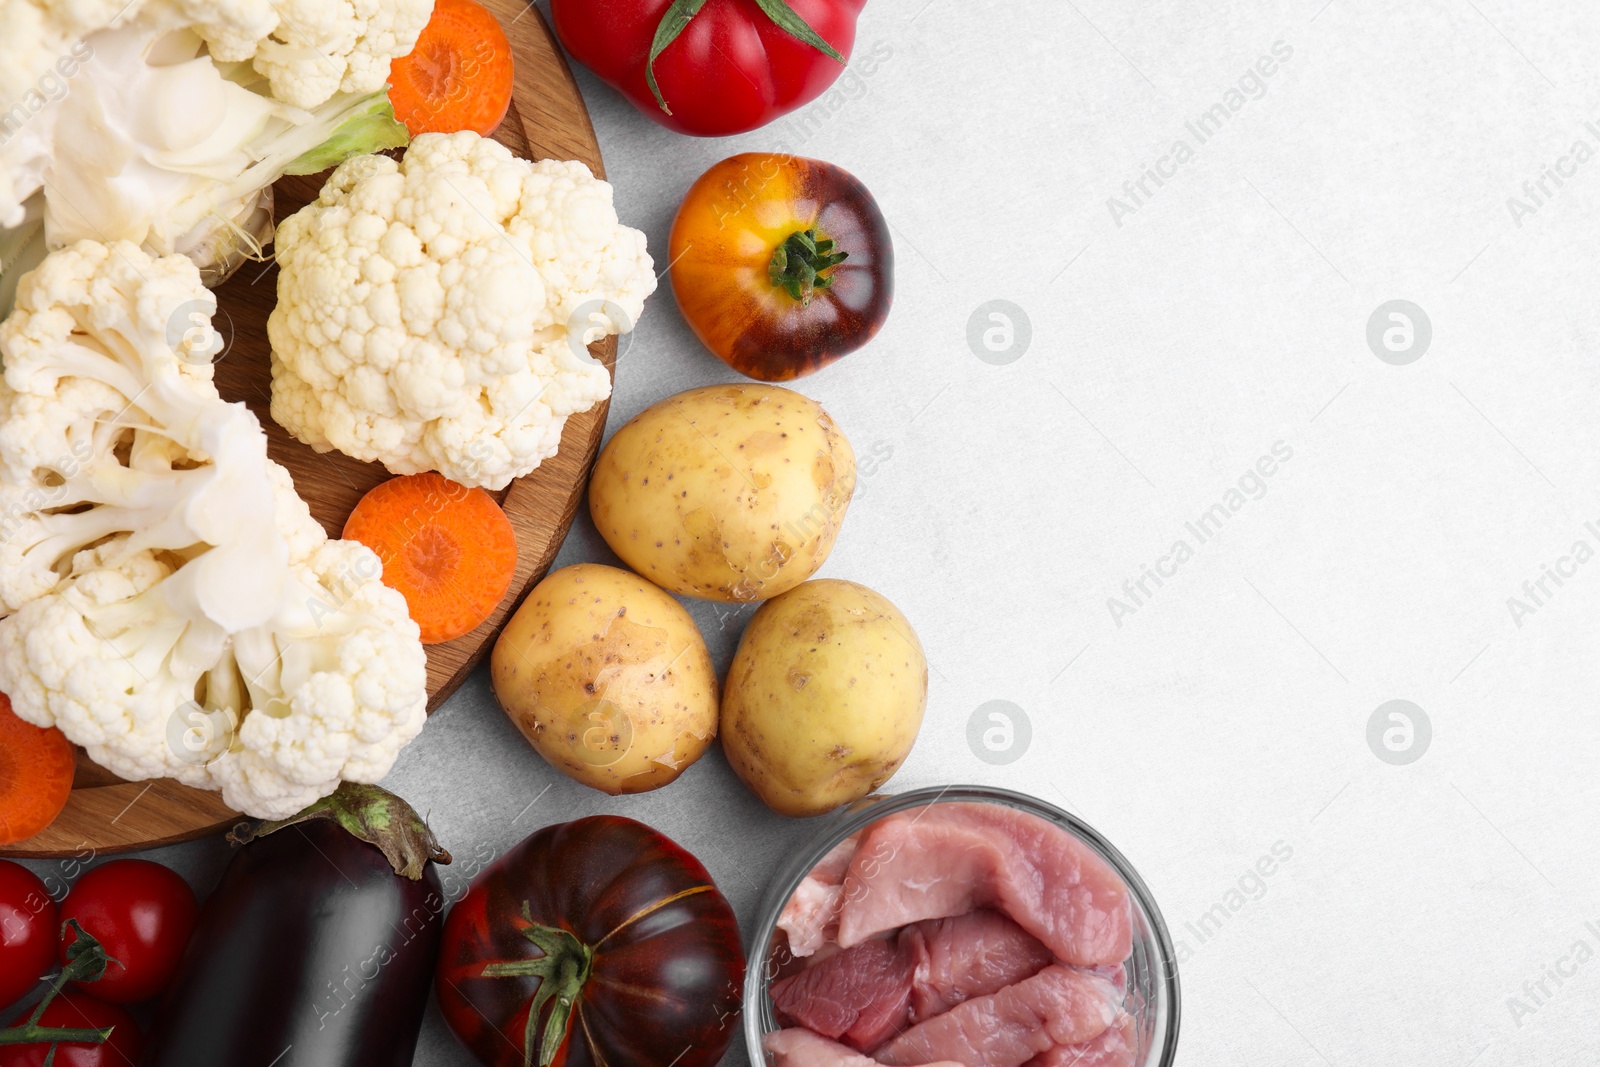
column 448, row 549
column 36, row 768
column 458, row 77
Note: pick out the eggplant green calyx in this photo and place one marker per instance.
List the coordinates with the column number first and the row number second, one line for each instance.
column 370, row 814
column 800, row 264
column 562, row 971
column 86, row 962
column 681, row 12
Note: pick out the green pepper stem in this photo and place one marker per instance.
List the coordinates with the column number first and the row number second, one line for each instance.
column 562, row 970
column 803, row 264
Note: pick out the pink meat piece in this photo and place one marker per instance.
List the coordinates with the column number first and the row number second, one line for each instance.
column 866, row 994
column 947, row 859
column 861, row 996
column 1060, row 1005
column 799, row 1047
column 1117, row 1047
column 967, row 956
column 811, row 917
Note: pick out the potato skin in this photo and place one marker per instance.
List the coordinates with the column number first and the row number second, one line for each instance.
column 608, row 679
column 824, row 698
column 729, row 492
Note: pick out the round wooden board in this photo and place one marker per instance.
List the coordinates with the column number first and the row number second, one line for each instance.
column 548, row 120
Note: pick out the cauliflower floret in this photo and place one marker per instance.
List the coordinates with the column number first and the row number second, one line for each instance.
column 170, row 603
column 323, row 47
column 275, row 717
column 432, row 314
column 350, row 682
column 585, row 258
column 108, row 665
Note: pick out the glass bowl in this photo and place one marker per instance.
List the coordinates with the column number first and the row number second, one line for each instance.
column 1152, row 972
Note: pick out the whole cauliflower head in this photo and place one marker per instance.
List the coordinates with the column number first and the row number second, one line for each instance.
column 433, row 314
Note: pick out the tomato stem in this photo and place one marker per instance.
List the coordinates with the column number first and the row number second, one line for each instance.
column 799, row 262
column 86, row 962
column 562, row 970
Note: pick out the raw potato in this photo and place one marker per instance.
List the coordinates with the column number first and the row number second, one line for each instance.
column 731, row 492
column 608, row 678
column 824, row 698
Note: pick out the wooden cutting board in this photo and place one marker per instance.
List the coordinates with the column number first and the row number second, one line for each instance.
column 547, row 120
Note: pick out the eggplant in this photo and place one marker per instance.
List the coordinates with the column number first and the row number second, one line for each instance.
column 318, row 947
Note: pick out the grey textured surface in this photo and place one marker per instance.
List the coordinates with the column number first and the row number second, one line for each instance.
column 1435, row 907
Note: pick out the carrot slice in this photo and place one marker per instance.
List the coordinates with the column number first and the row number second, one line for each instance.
column 450, row 550
column 458, row 77
column 36, row 768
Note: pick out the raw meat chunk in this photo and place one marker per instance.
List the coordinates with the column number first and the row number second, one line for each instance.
column 1058, row 1006
column 1117, row 1047
column 867, row 994
column 947, row 859
column 861, row 996
column 811, row 917
column 799, row 1047
column 967, row 956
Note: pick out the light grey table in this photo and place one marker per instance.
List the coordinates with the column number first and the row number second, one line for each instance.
column 1199, row 259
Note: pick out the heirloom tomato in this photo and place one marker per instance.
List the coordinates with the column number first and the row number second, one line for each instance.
column 781, row 265
column 593, row 943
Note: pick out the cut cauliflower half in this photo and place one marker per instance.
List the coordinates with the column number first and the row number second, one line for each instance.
column 168, row 600
column 433, row 313
column 165, row 122
column 308, row 51
column 106, row 431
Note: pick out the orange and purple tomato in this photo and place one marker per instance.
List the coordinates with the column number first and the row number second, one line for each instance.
column 781, row 264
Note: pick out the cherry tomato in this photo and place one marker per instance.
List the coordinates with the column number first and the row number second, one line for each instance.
column 28, row 925
column 122, row 1049
column 143, row 914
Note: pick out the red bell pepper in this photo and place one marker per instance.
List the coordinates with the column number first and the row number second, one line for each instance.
column 711, row 67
